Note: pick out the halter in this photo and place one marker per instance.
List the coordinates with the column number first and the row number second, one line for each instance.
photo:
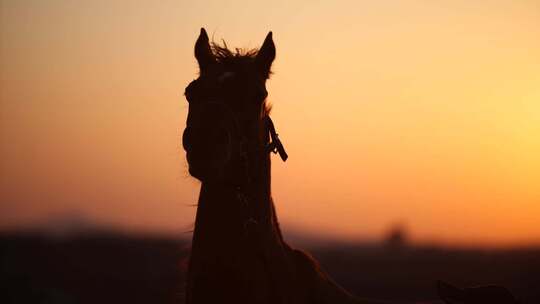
column 202, row 92
column 194, row 91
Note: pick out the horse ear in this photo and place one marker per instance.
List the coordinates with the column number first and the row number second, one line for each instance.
column 448, row 292
column 266, row 56
column 203, row 52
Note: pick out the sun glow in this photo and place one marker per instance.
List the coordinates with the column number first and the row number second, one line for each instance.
column 425, row 113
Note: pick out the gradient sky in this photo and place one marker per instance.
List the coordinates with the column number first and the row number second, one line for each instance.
column 425, row 113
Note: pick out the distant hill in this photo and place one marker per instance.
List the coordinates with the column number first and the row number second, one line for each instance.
column 108, row 267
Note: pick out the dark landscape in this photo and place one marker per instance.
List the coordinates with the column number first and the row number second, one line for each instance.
column 111, row 267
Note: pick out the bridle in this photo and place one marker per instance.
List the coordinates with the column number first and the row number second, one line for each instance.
column 194, row 91
column 202, row 93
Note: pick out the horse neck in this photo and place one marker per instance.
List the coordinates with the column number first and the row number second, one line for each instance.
column 225, row 212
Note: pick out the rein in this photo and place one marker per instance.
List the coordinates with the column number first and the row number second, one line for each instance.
column 275, row 146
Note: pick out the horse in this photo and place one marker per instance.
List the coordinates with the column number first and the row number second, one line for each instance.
column 238, row 252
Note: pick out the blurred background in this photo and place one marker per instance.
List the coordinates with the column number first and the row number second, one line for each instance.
column 412, row 129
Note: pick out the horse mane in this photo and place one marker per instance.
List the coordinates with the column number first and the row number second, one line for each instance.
column 239, row 56
column 225, row 55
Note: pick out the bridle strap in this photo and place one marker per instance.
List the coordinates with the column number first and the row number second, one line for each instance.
column 275, row 146
column 193, row 92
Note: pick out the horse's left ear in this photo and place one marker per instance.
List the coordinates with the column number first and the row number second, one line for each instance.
column 266, row 56
column 203, row 51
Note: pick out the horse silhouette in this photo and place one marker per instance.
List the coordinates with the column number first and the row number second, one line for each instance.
column 238, row 252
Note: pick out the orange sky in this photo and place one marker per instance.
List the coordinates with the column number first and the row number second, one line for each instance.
column 420, row 112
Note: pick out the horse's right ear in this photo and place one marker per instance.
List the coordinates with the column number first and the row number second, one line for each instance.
column 203, row 51
column 265, row 56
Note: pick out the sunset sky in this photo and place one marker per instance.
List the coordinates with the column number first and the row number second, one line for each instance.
column 425, row 113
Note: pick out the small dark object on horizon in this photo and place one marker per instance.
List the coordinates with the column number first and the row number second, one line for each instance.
column 492, row 294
